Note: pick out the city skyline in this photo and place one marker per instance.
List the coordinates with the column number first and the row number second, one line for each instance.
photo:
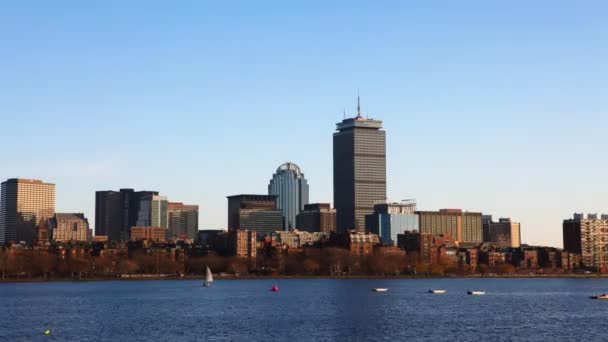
column 486, row 105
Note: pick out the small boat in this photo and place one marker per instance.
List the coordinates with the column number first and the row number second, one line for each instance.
column 438, row 291
column 476, row 293
column 379, row 289
column 274, row 288
column 602, row 296
column 208, row 279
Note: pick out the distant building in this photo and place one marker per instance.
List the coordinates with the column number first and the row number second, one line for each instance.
column 504, row 233
column 359, row 170
column 69, row 227
column 317, row 217
column 291, row 189
column 390, row 219
column 99, row 238
column 206, row 237
column 593, row 243
column 156, row 234
column 361, row 243
column 257, row 213
column 298, row 239
column 153, row 211
column 463, row 226
column 117, row 211
column 24, row 203
column 430, row 248
column 182, row 221
column 243, row 243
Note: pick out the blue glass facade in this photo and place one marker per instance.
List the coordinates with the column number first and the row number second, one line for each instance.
column 291, row 189
column 387, row 226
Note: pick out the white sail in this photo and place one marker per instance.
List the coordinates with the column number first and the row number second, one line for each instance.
column 209, row 278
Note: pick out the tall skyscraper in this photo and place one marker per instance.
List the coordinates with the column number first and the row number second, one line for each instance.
column 24, row 203
column 153, row 211
column 359, row 170
column 254, row 212
column 291, row 189
column 117, row 211
column 183, row 221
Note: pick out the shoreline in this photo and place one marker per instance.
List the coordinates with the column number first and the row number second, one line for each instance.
column 304, row 277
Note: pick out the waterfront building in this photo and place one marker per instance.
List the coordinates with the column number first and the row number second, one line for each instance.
column 117, row 211
column 24, row 203
column 317, row 217
column 463, row 226
column 291, row 188
column 390, row 219
column 66, row 227
column 361, row 243
column 593, row 245
column 257, row 213
column 359, row 158
column 243, row 243
column 298, row 239
column 149, row 233
column 504, row 233
column 430, row 248
column 182, row 221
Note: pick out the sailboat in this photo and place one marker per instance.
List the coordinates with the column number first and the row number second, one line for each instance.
column 208, row 279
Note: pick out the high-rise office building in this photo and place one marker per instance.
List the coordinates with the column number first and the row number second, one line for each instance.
column 464, row 226
column 153, row 211
column 391, row 219
column 359, row 170
column 317, row 217
column 117, row 211
column 69, row 227
column 504, row 233
column 257, row 213
column 183, row 221
column 24, row 203
column 291, row 188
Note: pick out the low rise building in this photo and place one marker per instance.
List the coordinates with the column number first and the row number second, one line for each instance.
column 317, row 217
column 298, row 239
column 243, row 243
column 149, row 233
column 66, row 227
column 361, row 243
column 390, row 219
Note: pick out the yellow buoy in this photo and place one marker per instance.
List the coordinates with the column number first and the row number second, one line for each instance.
column 47, row 332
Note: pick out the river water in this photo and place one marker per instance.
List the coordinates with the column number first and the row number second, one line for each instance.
column 305, row 310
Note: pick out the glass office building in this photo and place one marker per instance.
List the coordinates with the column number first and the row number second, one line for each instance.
column 291, row 189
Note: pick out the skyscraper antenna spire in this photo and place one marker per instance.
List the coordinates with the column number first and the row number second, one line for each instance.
column 358, row 105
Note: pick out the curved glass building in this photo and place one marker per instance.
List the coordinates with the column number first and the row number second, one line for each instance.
column 289, row 184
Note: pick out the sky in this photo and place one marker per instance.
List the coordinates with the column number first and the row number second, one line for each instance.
column 491, row 106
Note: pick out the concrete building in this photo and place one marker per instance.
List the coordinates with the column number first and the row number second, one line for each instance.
column 298, row 239
column 117, row 211
column 156, row 234
column 153, row 211
column 317, row 217
column 502, row 234
column 257, row 213
column 182, row 221
column 464, row 226
column 593, row 245
column 243, row 243
column 66, row 227
column 24, row 203
column 359, row 148
column 291, row 188
column 391, row 219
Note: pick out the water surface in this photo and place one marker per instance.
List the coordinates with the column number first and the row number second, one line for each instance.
column 305, row 310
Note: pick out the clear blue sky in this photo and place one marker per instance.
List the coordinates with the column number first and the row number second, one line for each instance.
column 489, row 106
